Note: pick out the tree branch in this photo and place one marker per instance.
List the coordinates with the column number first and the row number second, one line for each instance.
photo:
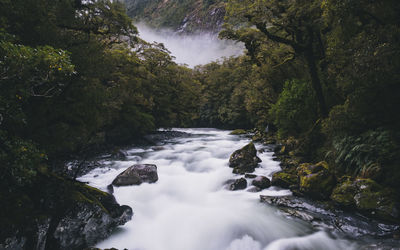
column 263, row 28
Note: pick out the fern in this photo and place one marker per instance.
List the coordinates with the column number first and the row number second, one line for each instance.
column 364, row 153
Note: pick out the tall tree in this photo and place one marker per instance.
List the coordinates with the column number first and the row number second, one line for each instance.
column 295, row 23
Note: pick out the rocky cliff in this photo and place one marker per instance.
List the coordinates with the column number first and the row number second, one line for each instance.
column 185, row 16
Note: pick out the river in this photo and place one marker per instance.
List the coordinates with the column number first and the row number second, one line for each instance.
column 189, row 207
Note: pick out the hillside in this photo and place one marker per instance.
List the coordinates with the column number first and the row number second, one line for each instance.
column 187, row 16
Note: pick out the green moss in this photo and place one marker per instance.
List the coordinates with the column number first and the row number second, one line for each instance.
column 283, row 150
column 343, row 194
column 304, row 169
column 87, row 194
column 238, row 132
column 369, row 194
column 284, row 179
column 316, row 180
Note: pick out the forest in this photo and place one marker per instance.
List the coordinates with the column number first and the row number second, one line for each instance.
column 75, row 78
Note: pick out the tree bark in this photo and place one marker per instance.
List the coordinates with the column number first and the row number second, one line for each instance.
column 316, row 83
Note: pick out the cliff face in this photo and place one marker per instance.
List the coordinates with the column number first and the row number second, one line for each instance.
column 185, row 16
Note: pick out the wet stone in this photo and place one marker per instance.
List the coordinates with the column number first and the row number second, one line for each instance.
column 238, row 184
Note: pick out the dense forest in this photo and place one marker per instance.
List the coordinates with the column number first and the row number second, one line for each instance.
column 322, row 75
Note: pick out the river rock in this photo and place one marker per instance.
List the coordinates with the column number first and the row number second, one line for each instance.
column 118, row 154
column 261, row 182
column 244, row 160
column 238, row 132
column 254, row 189
column 71, row 216
column 283, row 179
column 321, row 216
column 316, row 180
column 250, row 176
column 238, row 184
column 136, row 175
column 367, row 196
column 86, row 222
column 283, row 201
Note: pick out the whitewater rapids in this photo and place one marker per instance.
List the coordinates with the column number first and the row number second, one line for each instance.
column 189, row 207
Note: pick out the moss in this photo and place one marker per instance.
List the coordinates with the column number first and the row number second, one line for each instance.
column 369, row 194
column 238, row 132
column 343, row 194
column 315, row 180
column 283, row 179
column 283, row 150
column 366, row 196
column 87, row 194
column 304, row 169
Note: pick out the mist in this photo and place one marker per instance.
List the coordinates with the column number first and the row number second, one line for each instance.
column 193, row 49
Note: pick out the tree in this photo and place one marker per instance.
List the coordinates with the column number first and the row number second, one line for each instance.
column 295, row 23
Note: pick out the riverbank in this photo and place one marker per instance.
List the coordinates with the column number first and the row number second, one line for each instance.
column 320, row 181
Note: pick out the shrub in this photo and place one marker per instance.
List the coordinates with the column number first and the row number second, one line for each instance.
column 295, row 111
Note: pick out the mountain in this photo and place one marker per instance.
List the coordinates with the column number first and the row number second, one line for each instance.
column 186, row 16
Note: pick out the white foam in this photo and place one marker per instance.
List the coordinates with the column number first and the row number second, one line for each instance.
column 189, row 208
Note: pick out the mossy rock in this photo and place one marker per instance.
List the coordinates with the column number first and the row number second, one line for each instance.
column 244, row 160
column 309, row 168
column 257, row 137
column 283, row 179
column 29, row 213
column 238, row 132
column 289, row 162
column 379, row 201
column 368, row 197
column 343, row 193
column 315, row 180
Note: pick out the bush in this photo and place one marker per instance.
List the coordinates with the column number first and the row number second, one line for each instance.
column 19, row 162
column 295, row 111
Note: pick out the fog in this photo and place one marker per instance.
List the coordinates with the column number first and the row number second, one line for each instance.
column 191, row 49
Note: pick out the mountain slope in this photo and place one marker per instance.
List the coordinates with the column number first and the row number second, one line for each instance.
column 186, row 16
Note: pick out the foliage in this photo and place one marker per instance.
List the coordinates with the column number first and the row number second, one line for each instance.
column 369, row 150
column 20, row 161
column 295, row 110
column 74, row 76
column 294, row 24
column 28, row 73
column 349, row 51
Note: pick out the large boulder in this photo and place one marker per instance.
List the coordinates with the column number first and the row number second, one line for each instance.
column 316, row 180
column 283, row 179
column 60, row 214
column 367, row 196
column 244, row 160
column 238, row 184
column 261, row 182
column 136, row 175
column 85, row 222
column 343, row 193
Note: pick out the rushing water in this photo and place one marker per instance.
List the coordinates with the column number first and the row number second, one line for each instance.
column 189, row 207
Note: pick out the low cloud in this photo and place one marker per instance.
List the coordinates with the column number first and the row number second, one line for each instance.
column 193, row 49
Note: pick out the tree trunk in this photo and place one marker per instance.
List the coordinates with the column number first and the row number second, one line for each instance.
column 316, row 83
